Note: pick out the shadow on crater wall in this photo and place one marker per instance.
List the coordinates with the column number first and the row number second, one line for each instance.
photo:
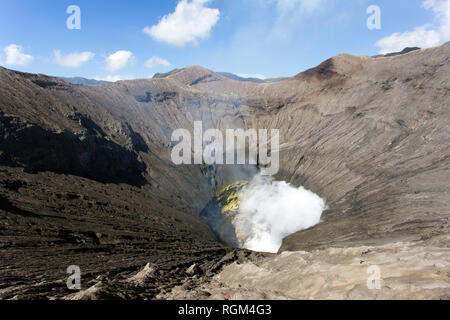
column 91, row 156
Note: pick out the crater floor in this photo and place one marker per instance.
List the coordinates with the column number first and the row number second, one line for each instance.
column 405, row 270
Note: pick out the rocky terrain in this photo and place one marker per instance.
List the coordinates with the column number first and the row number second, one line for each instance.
column 406, row 270
column 87, row 179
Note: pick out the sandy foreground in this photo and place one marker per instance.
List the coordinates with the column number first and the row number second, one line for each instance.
column 407, row 270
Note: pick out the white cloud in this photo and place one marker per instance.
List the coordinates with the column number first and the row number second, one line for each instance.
column 72, row 60
column 441, row 9
column 15, row 56
column 190, row 22
column 118, row 60
column 114, row 78
column 421, row 37
column 425, row 36
column 156, row 61
column 256, row 76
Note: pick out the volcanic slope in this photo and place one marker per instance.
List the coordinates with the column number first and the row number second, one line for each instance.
column 87, row 178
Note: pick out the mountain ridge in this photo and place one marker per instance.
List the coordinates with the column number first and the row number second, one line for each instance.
column 368, row 134
column 85, row 81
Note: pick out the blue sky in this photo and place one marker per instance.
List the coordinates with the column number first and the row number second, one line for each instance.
column 270, row 38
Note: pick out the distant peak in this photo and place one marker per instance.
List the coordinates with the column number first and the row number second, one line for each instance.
column 404, row 51
column 195, row 74
column 197, row 68
column 341, row 65
column 84, row 81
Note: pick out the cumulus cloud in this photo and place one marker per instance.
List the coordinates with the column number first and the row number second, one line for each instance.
column 190, row 22
column 118, row 60
column 156, row 61
column 15, row 56
column 428, row 35
column 72, row 60
column 441, row 9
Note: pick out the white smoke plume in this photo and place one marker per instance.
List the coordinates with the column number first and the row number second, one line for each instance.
column 271, row 210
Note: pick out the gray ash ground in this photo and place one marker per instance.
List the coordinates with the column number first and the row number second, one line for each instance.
column 49, row 222
column 86, row 179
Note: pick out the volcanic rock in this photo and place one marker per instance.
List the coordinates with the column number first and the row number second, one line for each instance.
column 368, row 134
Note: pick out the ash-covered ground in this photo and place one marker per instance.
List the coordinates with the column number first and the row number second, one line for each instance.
column 87, row 180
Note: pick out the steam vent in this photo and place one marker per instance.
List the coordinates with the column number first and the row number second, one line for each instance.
column 87, row 180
